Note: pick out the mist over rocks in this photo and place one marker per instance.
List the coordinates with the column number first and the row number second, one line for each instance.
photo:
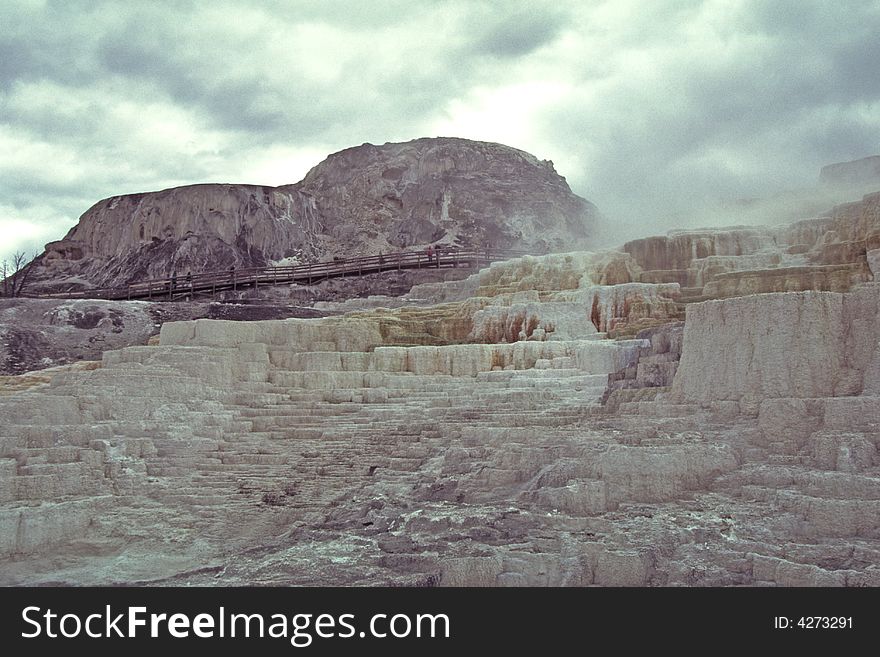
column 855, row 172
column 360, row 201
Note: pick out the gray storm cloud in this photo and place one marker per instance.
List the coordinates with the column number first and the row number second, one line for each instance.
column 662, row 113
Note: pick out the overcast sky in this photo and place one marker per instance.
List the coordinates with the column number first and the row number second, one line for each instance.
column 650, row 109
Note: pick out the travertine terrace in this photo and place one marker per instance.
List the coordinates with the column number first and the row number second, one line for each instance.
column 460, row 438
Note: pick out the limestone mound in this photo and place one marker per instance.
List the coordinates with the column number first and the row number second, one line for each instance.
column 360, row 201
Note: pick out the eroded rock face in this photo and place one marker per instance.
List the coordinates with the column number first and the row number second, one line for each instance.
column 652, row 368
column 678, row 250
column 807, row 344
column 360, row 201
column 36, row 334
column 446, row 190
column 857, row 221
column 560, row 296
column 829, row 252
column 827, row 278
column 193, row 228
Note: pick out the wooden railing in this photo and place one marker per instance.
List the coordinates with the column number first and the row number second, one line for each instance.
column 189, row 286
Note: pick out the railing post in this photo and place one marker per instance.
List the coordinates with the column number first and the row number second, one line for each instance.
column 129, row 292
column 274, row 275
column 310, row 273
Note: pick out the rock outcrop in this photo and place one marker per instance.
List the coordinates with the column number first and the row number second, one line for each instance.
column 446, row 190
column 828, row 278
column 852, row 173
column 578, row 295
column 832, row 252
column 464, row 443
column 36, row 334
column 652, row 369
column 360, row 201
column 193, row 228
column 763, row 346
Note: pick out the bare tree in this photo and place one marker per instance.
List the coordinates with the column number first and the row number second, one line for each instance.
column 15, row 273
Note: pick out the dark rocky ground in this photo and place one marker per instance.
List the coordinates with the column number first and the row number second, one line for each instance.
column 39, row 333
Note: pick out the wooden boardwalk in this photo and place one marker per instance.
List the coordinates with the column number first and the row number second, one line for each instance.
column 209, row 284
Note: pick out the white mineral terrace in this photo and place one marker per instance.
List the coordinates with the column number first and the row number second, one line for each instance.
column 316, row 452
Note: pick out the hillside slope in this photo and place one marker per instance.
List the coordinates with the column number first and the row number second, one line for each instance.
column 359, row 201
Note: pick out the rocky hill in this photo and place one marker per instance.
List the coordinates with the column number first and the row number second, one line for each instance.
column 448, row 191
column 360, row 201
